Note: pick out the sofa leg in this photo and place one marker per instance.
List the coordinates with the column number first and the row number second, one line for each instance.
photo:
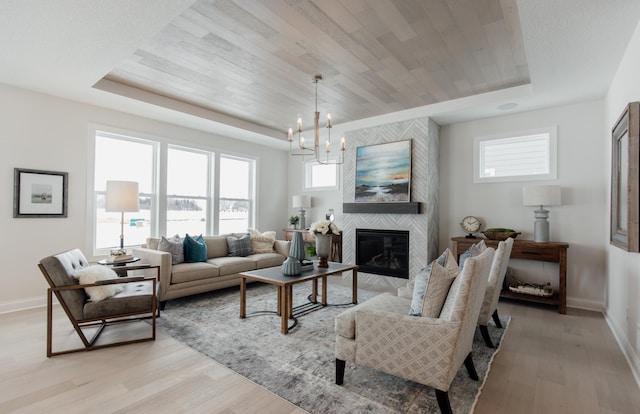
column 485, row 335
column 496, row 319
column 340, row 364
column 471, row 369
column 443, row 402
column 163, row 304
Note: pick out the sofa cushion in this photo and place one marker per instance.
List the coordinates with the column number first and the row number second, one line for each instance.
column 264, row 260
column 231, row 264
column 195, row 249
column 239, row 246
column 216, row 246
column 188, row 272
column 346, row 321
column 432, row 285
column 174, row 246
column 96, row 273
column 153, row 243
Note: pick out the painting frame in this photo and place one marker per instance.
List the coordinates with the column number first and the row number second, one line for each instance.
column 625, row 180
column 39, row 193
column 383, row 172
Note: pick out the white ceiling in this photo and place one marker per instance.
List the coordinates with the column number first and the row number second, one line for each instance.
column 65, row 47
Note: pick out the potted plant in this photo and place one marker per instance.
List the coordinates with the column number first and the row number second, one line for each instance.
column 310, row 249
column 293, row 221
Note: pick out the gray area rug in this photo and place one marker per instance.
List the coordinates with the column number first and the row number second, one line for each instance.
column 300, row 366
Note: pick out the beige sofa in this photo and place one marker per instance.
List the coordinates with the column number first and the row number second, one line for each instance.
column 219, row 271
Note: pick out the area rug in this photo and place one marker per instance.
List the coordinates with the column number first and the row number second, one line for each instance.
column 300, row 366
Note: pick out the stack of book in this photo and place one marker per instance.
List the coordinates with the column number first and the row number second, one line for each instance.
column 307, row 265
column 121, row 258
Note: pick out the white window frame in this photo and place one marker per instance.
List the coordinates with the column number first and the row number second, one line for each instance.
column 159, row 196
column 253, row 166
column 552, row 174
column 308, row 176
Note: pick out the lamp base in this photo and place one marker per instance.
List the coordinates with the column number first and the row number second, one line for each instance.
column 541, row 225
column 301, row 219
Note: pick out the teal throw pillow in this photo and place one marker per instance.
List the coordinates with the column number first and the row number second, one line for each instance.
column 195, row 249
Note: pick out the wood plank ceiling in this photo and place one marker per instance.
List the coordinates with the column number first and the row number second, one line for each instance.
column 255, row 59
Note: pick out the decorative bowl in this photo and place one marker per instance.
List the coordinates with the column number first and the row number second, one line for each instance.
column 500, row 235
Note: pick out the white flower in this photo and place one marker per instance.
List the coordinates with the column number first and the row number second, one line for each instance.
column 323, row 227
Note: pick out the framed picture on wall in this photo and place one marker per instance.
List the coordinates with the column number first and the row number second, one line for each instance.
column 38, row 193
column 625, row 180
column 383, row 172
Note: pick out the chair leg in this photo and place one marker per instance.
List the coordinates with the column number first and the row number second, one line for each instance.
column 496, row 319
column 163, row 304
column 468, row 362
column 340, row 364
column 485, row 335
column 443, row 402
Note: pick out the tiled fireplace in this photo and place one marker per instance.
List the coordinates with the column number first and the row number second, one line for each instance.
column 422, row 225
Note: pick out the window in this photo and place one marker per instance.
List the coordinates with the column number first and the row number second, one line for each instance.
column 320, row 176
column 188, row 192
column 135, row 161
column 235, row 210
column 182, row 190
column 521, row 156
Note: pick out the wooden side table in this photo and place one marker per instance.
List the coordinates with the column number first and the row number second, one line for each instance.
column 336, row 242
column 555, row 252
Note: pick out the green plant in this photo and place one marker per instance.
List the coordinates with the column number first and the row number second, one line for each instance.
column 310, row 249
column 294, row 220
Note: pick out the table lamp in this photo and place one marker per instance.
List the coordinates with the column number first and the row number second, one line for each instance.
column 122, row 196
column 301, row 202
column 541, row 195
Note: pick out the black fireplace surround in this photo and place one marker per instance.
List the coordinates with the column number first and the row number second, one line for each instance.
column 383, row 252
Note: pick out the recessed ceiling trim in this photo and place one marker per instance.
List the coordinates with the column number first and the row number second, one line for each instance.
column 187, row 108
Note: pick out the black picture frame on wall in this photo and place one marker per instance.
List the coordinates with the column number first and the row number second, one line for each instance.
column 625, row 180
column 39, row 193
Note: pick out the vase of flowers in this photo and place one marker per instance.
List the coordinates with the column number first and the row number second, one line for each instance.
column 323, row 231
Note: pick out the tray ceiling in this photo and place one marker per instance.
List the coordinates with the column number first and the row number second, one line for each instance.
column 255, row 60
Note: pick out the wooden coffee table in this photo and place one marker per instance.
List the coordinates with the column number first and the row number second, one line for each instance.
column 274, row 276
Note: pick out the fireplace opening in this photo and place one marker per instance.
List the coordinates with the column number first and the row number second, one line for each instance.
column 383, row 252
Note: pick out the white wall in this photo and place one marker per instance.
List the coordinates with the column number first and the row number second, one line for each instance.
column 623, row 284
column 582, row 175
column 48, row 133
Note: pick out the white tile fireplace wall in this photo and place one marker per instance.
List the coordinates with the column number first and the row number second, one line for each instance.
column 425, row 183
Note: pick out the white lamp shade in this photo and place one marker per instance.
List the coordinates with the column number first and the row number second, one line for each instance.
column 122, row 196
column 301, row 201
column 541, row 195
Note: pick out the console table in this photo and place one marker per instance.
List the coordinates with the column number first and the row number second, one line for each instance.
column 555, row 252
column 335, row 255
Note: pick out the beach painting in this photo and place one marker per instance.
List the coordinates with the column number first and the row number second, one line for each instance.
column 383, row 172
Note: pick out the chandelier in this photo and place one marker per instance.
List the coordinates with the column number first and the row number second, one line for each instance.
column 315, row 149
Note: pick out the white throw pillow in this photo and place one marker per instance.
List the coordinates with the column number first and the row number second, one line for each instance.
column 432, row 286
column 472, row 251
column 94, row 273
column 262, row 242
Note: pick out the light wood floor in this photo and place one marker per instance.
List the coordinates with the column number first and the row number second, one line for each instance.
column 548, row 363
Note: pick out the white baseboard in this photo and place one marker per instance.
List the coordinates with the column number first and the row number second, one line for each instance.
column 585, row 304
column 23, row 304
column 627, row 350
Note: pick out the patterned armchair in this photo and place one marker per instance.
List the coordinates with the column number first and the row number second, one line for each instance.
column 489, row 307
column 380, row 333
